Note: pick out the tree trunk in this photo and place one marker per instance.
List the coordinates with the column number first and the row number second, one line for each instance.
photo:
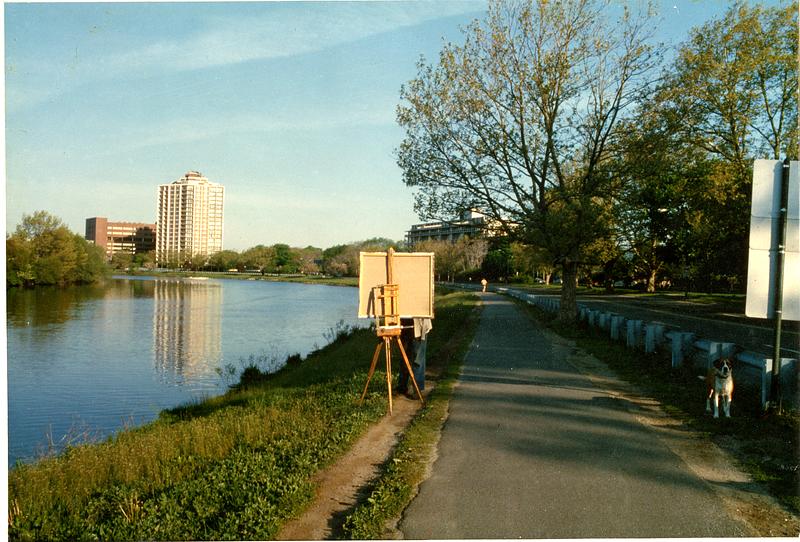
column 651, row 281
column 568, row 312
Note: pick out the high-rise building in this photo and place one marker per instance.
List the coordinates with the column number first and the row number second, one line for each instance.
column 189, row 218
column 115, row 237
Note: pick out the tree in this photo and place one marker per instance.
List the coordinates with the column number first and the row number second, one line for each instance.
column 258, row 257
column 521, row 120
column 224, row 260
column 122, row 260
column 532, row 261
column 731, row 94
column 453, row 259
column 42, row 250
column 285, row 260
column 341, row 260
column 307, row 260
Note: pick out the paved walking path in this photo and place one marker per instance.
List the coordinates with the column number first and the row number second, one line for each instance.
column 533, row 449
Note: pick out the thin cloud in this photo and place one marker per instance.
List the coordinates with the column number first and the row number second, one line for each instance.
column 222, row 40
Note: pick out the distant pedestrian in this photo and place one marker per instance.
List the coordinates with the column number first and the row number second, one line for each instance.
column 484, row 283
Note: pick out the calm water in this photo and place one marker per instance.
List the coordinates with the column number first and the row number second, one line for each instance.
column 90, row 360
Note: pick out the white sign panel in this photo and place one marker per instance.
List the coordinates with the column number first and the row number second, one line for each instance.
column 762, row 258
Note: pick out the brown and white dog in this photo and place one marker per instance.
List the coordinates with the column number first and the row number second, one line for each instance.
column 719, row 381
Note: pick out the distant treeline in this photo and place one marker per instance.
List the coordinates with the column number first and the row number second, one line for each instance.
column 338, row 261
column 43, row 251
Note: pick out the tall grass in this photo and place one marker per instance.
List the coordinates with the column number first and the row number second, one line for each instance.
column 233, row 466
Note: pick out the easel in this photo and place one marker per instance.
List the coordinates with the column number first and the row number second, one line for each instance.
column 387, row 326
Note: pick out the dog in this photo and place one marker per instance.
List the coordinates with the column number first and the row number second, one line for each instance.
column 719, row 382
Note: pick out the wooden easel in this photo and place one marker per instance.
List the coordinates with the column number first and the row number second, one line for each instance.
column 387, row 325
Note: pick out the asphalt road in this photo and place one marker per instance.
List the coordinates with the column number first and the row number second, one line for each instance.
column 533, row 449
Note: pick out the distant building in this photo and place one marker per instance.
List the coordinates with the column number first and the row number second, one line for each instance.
column 117, row 237
column 189, row 217
column 472, row 224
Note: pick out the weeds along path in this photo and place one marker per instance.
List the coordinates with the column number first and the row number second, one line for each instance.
column 387, row 463
column 342, row 485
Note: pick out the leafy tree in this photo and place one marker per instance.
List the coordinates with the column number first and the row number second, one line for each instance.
column 145, row 259
column 42, row 250
column 308, row 260
column 520, row 122
column 532, row 261
column 285, row 260
column 122, row 260
column 498, row 263
column 341, row 260
column 731, row 94
column 224, row 260
column 258, row 257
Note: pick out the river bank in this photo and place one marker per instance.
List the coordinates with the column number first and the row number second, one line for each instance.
column 234, row 466
column 85, row 362
column 272, row 277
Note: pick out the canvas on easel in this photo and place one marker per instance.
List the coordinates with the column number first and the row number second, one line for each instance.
column 394, row 286
column 411, row 271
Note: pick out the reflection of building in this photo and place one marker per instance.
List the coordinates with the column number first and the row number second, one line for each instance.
column 189, row 217
column 114, row 237
column 472, row 224
column 187, row 327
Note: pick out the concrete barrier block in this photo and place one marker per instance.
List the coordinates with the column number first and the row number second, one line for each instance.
column 681, row 342
column 616, row 327
column 653, row 338
column 634, row 336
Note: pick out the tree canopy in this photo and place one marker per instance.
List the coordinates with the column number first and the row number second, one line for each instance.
column 43, row 251
column 521, row 121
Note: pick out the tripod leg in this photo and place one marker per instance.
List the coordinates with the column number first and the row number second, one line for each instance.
column 389, row 370
column 371, row 372
column 410, row 371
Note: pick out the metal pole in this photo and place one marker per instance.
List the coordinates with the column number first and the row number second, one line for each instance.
column 775, row 389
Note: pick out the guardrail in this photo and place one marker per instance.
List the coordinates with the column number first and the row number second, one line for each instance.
column 683, row 346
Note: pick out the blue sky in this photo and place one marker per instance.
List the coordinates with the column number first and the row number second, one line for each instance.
column 290, row 105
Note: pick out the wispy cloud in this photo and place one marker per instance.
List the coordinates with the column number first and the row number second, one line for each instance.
column 306, row 28
column 279, row 30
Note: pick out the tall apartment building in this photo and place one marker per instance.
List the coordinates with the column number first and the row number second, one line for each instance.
column 189, row 217
column 114, row 237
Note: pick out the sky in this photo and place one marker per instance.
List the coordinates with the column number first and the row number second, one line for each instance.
column 289, row 105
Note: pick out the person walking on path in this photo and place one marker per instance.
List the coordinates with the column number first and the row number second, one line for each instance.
column 484, row 283
column 533, row 449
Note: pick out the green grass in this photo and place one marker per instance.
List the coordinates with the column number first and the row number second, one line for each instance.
column 235, row 466
column 767, row 447
column 397, row 484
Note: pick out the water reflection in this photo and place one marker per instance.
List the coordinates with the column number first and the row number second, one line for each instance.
column 187, row 328
column 101, row 357
column 48, row 305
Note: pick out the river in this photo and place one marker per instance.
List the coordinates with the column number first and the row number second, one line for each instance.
column 84, row 362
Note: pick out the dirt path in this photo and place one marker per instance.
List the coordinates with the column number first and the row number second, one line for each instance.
column 343, row 483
